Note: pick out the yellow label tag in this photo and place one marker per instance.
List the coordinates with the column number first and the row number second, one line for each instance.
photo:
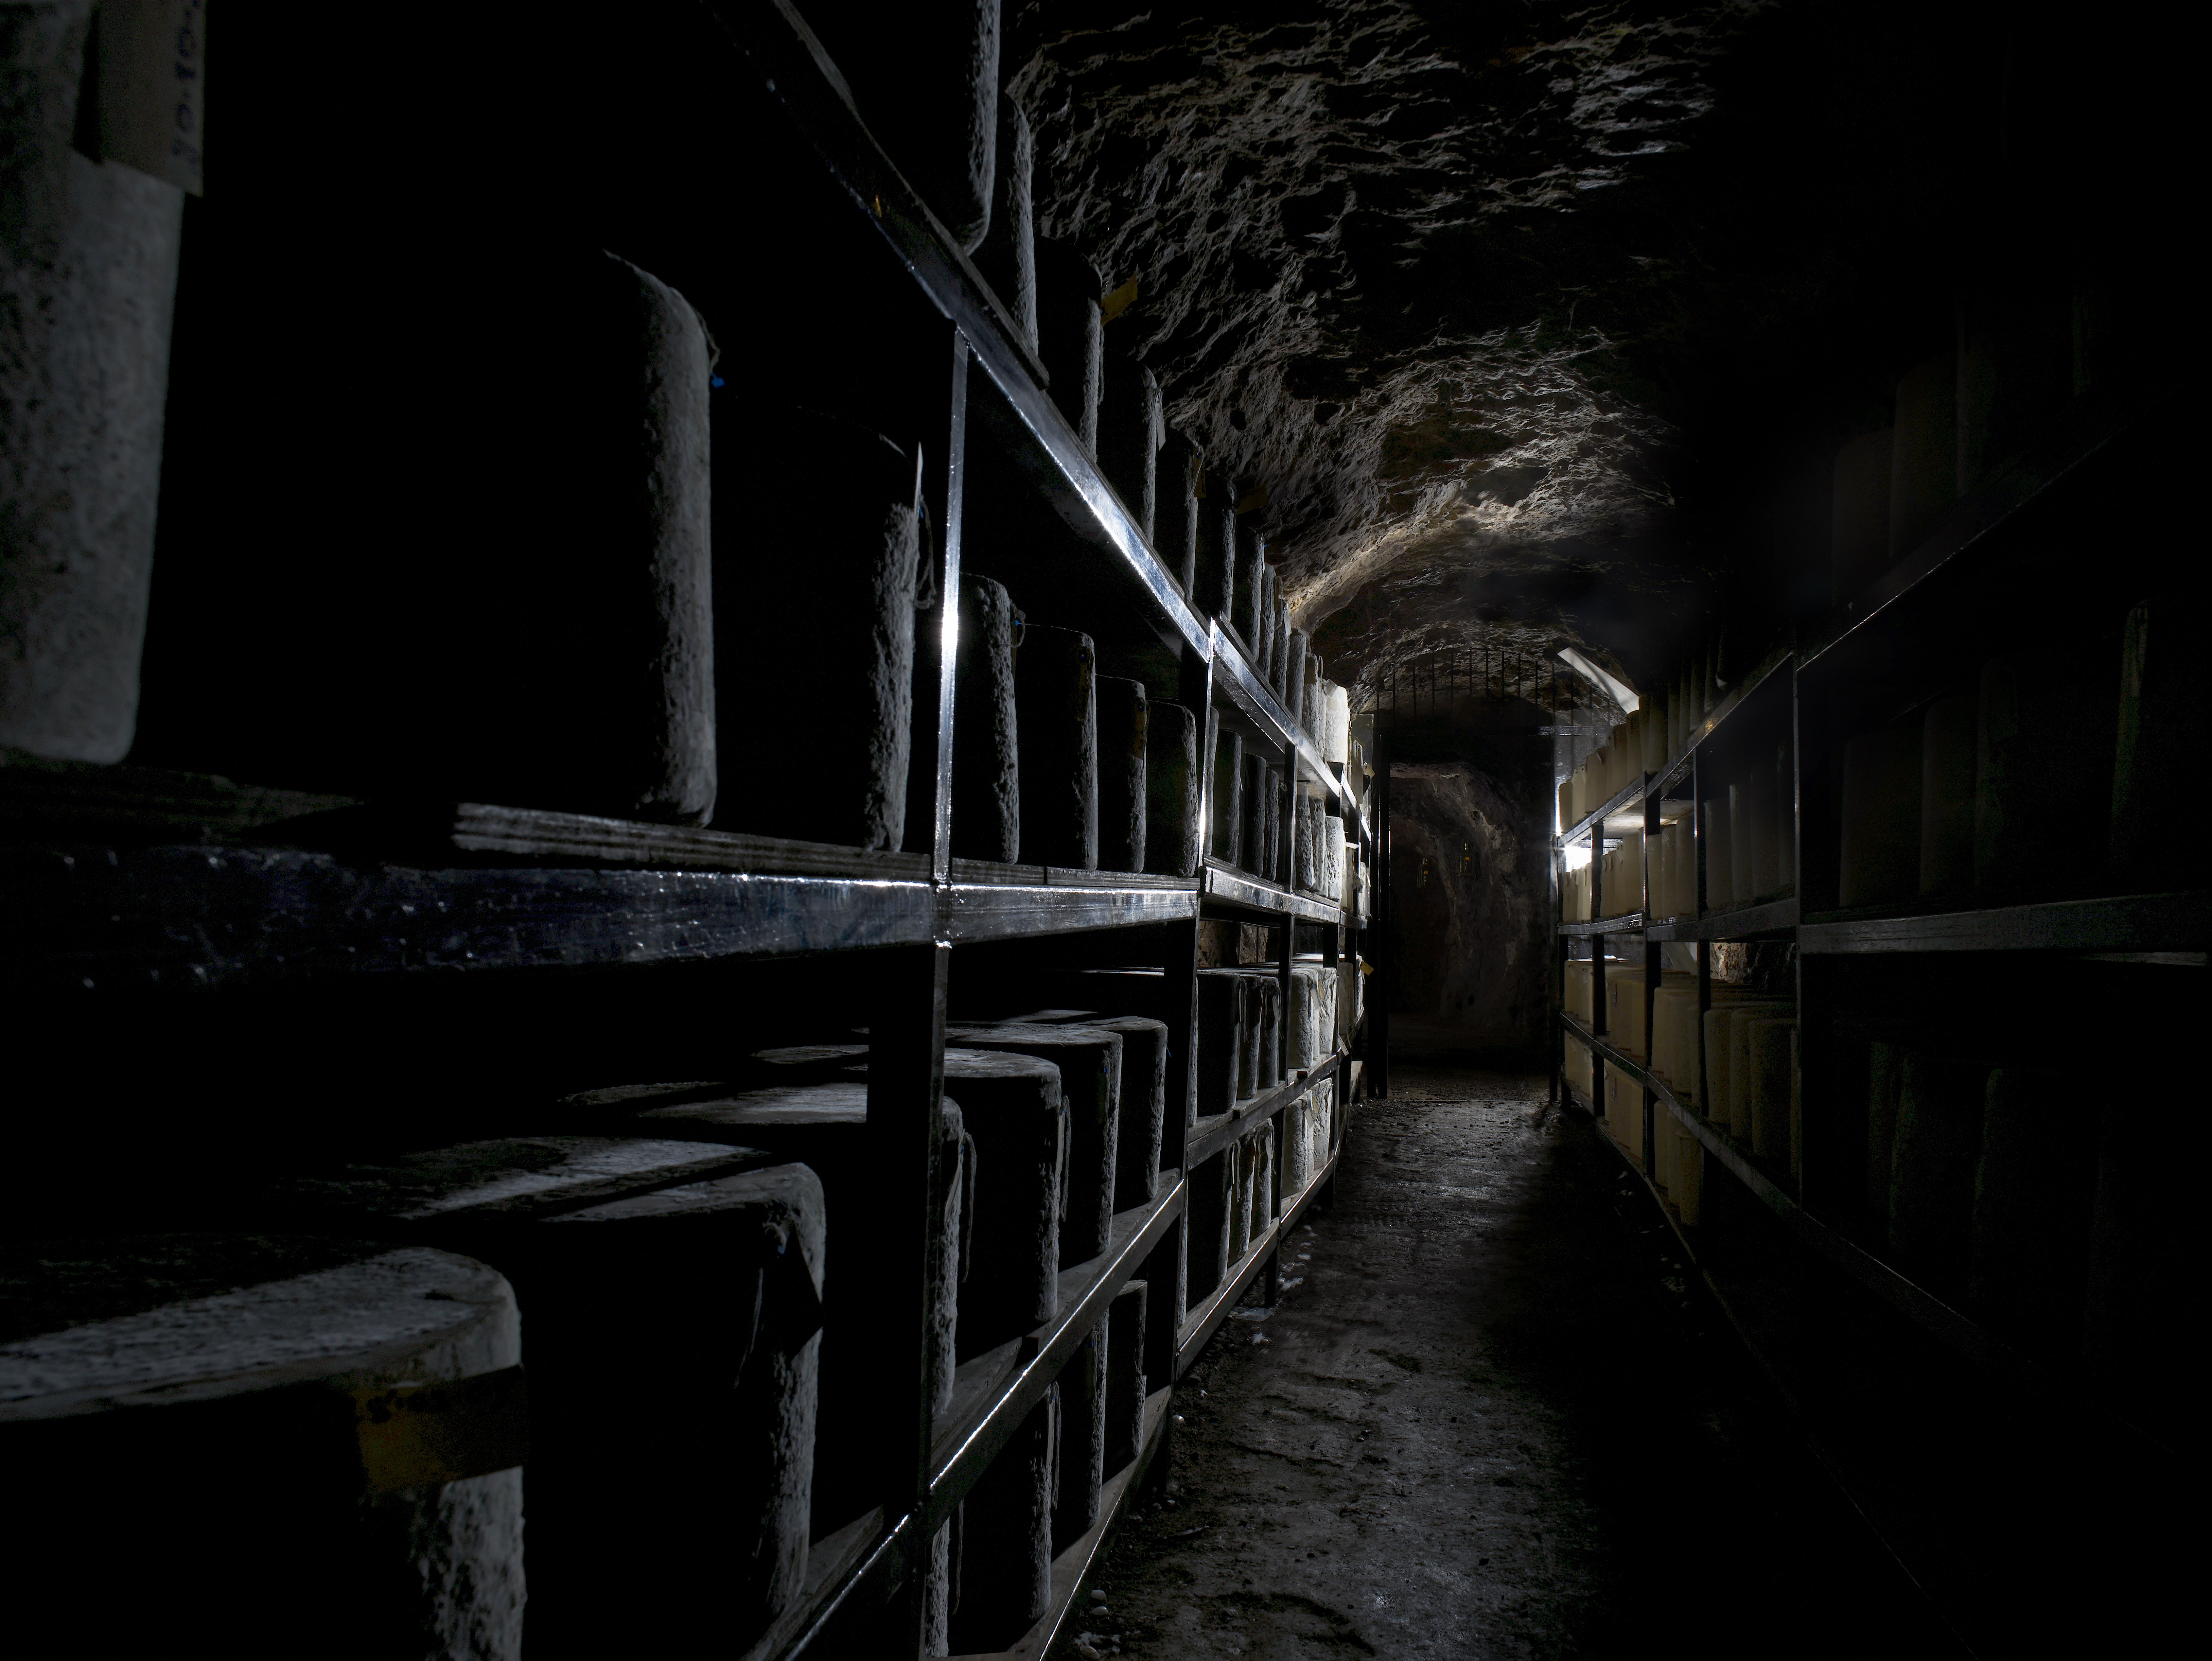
column 413, row 1434
column 1252, row 499
column 1120, row 301
column 153, row 87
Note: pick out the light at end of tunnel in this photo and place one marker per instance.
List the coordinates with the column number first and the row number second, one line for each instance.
column 1577, row 856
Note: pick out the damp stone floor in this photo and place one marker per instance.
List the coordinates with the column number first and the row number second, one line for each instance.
column 1490, row 1414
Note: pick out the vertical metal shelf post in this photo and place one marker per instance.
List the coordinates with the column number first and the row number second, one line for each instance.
column 1654, row 955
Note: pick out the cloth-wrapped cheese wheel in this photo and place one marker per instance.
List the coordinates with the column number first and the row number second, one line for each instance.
column 1005, row 1547
column 823, row 1124
column 818, row 585
column 1931, row 1180
column 1082, row 1439
column 1090, row 1062
column 632, row 1247
column 1225, row 757
column 1946, row 796
column 1123, row 731
column 1125, row 1374
column 270, row 1432
column 1143, row 1108
column 1071, row 334
column 1130, row 431
column 1178, row 515
column 1223, row 1016
column 84, row 371
column 1056, row 692
column 1007, row 255
column 1172, row 826
column 987, row 798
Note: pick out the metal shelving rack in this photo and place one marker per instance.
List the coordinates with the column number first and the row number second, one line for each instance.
column 472, row 891
column 2166, row 928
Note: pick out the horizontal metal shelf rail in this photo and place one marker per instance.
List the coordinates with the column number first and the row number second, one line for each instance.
column 1004, row 1383
column 1729, row 923
column 1677, row 767
column 2095, row 421
column 2135, row 922
column 836, row 1565
column 1202, row 1141
column 1960, row 1333
column 1202, row 1322
column 1225, row 886
column 1072, row 1570
column 1630, row 922
column 797, row 72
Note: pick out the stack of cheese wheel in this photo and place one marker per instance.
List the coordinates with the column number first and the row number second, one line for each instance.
column 1932, row 1164
column 1683, row 1022
column 1244, row 1159
column 2033, row 1201
column 277, row 1443
column 1125, row 1373
column 1686, row 1188
column 1768, row 1045
column 824, row 1122
column 1263, row 1180
column 1336, row 724
column 1579, row 1064
column 1267, row 1051
column 703, row 1276
column 1310, row 1037
column 1720, row 857
column 1624, row 1007
column 1082, row 1452
column 1726, row 1054
column 1223, row 1012
column 1674, row 1048
column 1212, row 1190
column 1004, row 1574
column 1580, row 989
column 1326, row 1122
column 1665, row 853
column 1143, row 1109
column 1881, row 816
column 1090, row 1062
column 1624, row 1111
column 1298, row 1149
column 1258, row 1030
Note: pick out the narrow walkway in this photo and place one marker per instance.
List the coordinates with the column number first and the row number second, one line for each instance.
column 1487, row 1418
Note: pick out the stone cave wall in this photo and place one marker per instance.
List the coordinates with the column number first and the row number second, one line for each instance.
column 1474, row 935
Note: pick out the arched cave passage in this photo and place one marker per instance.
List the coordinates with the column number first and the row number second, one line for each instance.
column 1274, row 828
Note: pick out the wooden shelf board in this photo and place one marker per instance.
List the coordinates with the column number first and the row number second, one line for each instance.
column 994, row 1391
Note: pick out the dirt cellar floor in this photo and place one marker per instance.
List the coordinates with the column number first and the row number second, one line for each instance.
column 1490, row 1416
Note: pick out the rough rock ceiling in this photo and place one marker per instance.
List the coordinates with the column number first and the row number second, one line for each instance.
column 1447, row 283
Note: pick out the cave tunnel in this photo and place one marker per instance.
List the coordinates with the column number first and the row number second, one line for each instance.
column 1288, row 830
